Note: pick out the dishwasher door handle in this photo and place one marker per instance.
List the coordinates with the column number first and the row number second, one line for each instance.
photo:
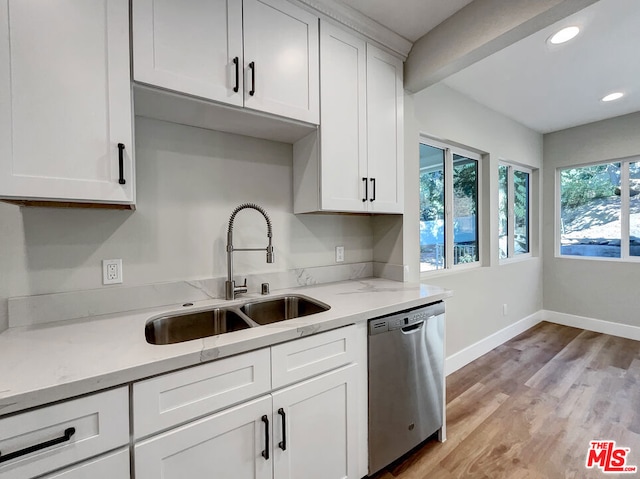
column 414, row 328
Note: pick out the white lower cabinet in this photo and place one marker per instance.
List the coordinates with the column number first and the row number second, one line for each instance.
column 111, row 466
column 315, row 428
column 300, row 430
column 227, row 445
column 304, row 431
column 48, row 439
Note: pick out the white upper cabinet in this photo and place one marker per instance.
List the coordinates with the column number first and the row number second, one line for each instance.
column 65, row 101
column 385, row 131
column 343, row 133
column 191, row 46
column 196, row 47
column 281, row 59
column 355, row 163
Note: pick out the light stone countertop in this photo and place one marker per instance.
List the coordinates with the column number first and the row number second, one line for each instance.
column 54, row 361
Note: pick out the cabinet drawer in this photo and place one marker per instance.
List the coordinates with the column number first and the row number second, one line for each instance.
column 100, row 423
column 306, row 357
column 111, row 466
column 173, row 399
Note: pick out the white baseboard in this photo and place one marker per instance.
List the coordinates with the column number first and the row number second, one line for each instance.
column 473, row 352
column 591, row 324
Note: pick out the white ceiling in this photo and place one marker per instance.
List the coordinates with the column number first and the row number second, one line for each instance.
column 546, row 88
column 553, row 87
column 408, row 18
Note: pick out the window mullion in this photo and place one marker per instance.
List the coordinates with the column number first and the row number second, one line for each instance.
column 448, row 206
column 624, row 210
column 511, row 216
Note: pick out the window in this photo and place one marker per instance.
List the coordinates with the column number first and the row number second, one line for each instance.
column 599, row 210
column 448, row 206
column 514, row 198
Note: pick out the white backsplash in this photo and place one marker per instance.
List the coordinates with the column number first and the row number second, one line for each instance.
column 47, row 308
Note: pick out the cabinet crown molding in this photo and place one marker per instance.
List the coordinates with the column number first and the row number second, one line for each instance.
column 362, row 24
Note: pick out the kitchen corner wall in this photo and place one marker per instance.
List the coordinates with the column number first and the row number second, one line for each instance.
column 597, row 289
column 475, row 311
column 188, row 182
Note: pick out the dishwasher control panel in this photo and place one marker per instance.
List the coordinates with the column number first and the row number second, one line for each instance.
column 404, row 318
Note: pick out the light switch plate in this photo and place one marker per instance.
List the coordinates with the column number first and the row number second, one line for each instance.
column 339, row 254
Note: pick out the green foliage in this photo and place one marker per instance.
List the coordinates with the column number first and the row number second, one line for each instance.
column 431, row 195
column 465, row 188
column 581, row 185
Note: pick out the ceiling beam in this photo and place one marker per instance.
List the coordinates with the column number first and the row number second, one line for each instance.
column 476, row 31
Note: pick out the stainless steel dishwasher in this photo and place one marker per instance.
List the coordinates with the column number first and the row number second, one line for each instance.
column 406, row 380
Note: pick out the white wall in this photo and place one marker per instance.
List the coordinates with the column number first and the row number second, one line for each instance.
column 475, row 311
column 606, row 290
column 188, row 182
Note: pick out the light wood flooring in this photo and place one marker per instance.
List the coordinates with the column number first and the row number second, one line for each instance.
column 529, row 408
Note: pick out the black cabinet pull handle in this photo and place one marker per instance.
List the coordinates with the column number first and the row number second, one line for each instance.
column 252, row 66
column 283, row 444
column 122, row 181
column 373, row 183
column 265, row 453
column 236, row 62
column 366, row 190
column 28, row 450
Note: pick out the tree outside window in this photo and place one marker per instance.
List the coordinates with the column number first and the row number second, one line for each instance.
column 448, row 240
column 599, row 210
column 514, row 197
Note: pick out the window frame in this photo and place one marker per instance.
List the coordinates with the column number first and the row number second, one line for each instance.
column 625, row 212
column 449, row 240
column 511, row 224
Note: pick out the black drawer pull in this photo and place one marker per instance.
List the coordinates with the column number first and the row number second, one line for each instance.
column 366, row 190
column 283, row 444
column 122, row 181
column 43, row 445
column 265, row 453
column 373, row 183
column 235, row 61
column 252, row 65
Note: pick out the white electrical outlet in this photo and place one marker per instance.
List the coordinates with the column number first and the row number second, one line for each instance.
column 339, row 254
column 504, row 309
column 111, row 271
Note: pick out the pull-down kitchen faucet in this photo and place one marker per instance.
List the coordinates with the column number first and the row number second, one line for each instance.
column 230, row 285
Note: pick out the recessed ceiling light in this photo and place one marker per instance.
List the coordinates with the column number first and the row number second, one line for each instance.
column 564, row 35
column 613, row 96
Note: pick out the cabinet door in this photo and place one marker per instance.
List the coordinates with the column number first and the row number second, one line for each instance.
column 319, row 418
column 385, row 131
column 343, row 129
column 281, row 59
column 227, row 445
column 191, row 46
column 65, row 100
column 111, row 466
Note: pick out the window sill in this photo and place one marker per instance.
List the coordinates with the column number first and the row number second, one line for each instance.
column 630, row 259
column 516, row 259
column 425, row 275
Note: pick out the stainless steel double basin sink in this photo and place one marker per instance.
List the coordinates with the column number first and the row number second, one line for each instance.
column 185, row 326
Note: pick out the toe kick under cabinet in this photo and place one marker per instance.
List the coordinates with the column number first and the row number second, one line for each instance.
column 284, row 412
